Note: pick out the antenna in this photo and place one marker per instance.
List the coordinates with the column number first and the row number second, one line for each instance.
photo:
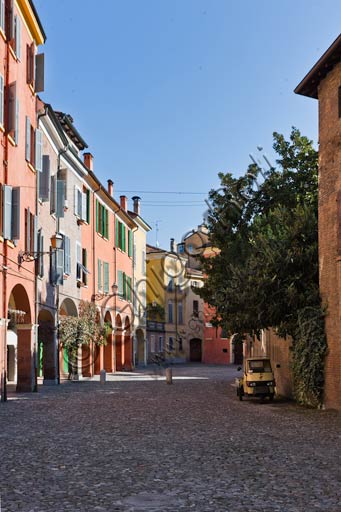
column 157, row 232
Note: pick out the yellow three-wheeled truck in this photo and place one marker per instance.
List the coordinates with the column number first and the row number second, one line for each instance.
column 257, row 380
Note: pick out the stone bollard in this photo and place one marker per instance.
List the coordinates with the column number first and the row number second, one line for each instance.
column 169, row 376
column 103, row 376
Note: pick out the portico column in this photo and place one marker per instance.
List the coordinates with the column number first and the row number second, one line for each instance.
column 26, row 376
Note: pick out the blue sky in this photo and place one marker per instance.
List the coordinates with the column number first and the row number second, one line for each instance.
column 167, row 93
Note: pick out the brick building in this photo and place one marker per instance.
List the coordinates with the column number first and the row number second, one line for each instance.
column 323, row 82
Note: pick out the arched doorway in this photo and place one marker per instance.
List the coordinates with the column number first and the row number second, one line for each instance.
column 66, row 365
column 22, row 360
column 118, row 344
column 128, row 346
column 237, row 348
column 195, row 350
column 141, row 343
column 108, row 348
column 47, row 350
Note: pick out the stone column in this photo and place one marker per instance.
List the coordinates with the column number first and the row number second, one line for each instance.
column 26, row 376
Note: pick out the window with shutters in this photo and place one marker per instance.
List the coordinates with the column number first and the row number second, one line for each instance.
column 13, row 113
column 85, row 266
column 17, row 37
column 78, row 261
column 130, row 243
column 160, row 343
column 102, row 220
column 31, row 232
column 30, row 64
column 105, row 277
column 40, row 259
column 180, row 345
column 44, row 179
column 78, row 200
column 56, row 266
column 67, row 255
column 180, row 314
column 171, row 344
column 11, row 212
column 86, row 205
column 9, row 19
column 120, row 290
column 38, row 144
column 121, row 236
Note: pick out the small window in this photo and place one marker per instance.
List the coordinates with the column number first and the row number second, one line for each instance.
column 180, row 315
column 195, row 308
column 170, row 312
column 160, row 343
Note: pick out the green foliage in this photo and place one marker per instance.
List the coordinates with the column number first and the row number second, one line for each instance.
column 155, row 311
column 81, row 330
column 265, row 273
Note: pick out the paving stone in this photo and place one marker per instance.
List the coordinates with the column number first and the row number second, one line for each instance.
column 137, row 444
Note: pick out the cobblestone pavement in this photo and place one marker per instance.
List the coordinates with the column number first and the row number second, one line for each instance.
column 138, row 444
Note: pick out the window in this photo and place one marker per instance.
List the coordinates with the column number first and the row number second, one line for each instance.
column 180, row 315
column 13, row 112
column 130, row 243
column 160, row 343
column 17, row 36
column 38, row 150
column 87, row 193
column 170, row 312
column 11, row 212
column 121, row 236
column 57, row 266
column 105, row 277
column 67, row 255
column 124, row 286
column 195, row 308
column 170, row 344
column 102, row 220
column 44, row 179
column 81, row 270
column 152, row 343
column 170, row 286
column 194, row 284
column 85, row 266
column 78, row 261
column 31, row 231
column 180, row 345
column 81, row 204
column 30, row 64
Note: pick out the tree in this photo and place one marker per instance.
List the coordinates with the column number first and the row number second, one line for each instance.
column 265, row 274
column 82, row 330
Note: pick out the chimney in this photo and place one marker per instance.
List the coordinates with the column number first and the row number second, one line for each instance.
column 137, row 205
column 124, row 202
column 88, row 161
column 172, row 245
column 110, row 187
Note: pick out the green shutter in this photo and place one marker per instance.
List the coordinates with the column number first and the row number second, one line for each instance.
column 116, row 232
column 123, row 238
column 66, row 360
column 97, row 215
column 130, row 243
column 129, row 288
column 99, row 275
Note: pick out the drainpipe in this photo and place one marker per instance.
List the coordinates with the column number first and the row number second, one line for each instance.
column 3, row 378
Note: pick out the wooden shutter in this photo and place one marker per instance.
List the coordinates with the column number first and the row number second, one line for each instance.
column 27, row 230
column 40, row 251
column 44, row 179
column 53, row 194
column 7, row 212
column 67, row 255
column 9, row 19
column 130, row 243
column 129, row 289
column 60, row 187
column 78, row 261
column 84, row 206
column 35, row 233
column 39, row 150
column 88, row 206
column 85, row 265
column 117, row 235
column 16, row 213
column 57, row 266
column 28, row 140
column 124, row 285
column 17, row 25
column 105, row 277
column 30, row 51
column 39, row 73
column 99, row 275
column 97, row 215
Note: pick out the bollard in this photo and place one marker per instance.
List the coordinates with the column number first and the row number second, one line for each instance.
column 169, row 376
column 103, row 376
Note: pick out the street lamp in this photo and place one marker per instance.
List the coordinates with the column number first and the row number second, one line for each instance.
column 56, row 243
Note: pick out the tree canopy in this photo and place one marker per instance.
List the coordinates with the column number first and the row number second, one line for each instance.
column 264, row 225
